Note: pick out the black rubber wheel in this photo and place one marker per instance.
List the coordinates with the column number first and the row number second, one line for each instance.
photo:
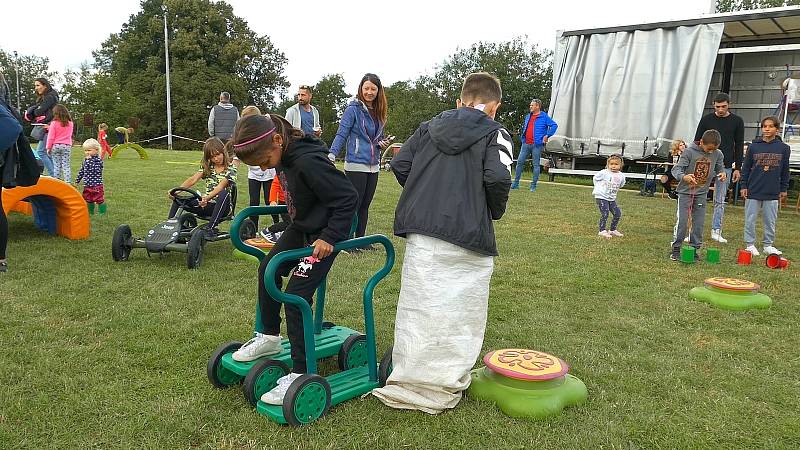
column 194, row 254
column 385, row 367
column 120, row 243
column 247, row 230
column 307, row 399
column 219, row 376
column 261, row 378
column 353, row 352
column 187, row 222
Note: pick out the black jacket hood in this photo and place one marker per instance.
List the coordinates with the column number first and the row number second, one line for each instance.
column 456, row 130
column 305, row 145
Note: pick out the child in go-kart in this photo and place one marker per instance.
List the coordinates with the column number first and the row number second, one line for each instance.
column 219, row 175
column 321, row 202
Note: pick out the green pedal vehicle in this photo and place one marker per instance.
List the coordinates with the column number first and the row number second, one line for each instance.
column 311, row 395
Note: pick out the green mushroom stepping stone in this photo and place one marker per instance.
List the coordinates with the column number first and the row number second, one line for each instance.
column 731, row 293
column 526, row 384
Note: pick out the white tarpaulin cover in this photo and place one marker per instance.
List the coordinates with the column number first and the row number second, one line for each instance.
column 640, row 88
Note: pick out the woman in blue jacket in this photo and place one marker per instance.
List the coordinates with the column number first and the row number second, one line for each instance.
column 361, row 134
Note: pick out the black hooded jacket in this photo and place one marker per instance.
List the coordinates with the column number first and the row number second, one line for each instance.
column 455, row 172
column 321, row 200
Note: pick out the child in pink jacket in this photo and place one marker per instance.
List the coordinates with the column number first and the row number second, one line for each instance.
column 59, row 142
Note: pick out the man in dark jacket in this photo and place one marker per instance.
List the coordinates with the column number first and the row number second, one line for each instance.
column 222, row 118
column 456, row 175
column 731, row 128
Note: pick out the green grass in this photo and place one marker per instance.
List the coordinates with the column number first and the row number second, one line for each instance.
column 95, row 353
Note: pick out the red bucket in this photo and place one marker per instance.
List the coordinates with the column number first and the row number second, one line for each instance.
column 777, row 262
column 744, row 257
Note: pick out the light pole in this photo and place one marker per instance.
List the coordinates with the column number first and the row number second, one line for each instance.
column 16, row 72
column 169, row 104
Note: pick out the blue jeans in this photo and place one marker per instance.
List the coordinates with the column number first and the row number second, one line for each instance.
column 720, row 192
column 41, row 149
column 535, row 152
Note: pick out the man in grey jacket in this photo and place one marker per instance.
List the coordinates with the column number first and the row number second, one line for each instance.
column 696, row 169
column 302, row 114
column 222, row 118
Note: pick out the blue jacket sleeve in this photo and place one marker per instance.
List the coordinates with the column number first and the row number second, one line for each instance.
column 552, row 126
column 785, row 169
column 345, row 126
column 10, row 128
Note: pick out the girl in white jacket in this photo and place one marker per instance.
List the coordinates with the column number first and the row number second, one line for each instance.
column 607, row 183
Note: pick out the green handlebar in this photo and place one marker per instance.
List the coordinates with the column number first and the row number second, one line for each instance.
column 245, row 213
column 305, row 308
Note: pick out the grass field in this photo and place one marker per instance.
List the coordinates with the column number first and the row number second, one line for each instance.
column 95, row 353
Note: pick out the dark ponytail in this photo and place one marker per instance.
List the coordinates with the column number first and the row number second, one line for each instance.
column 286, row 130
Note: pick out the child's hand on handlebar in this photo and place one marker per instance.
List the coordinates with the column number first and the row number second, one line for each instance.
column 321, row 249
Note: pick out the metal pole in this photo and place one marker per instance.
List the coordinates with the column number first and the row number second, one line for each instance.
column 16, row 72
column 169, row 104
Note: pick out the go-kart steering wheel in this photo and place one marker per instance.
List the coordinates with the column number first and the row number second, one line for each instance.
column 184, row 196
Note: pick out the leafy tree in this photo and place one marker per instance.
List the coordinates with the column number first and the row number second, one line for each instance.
column 524, row 70
column 739, row 5
column 210, row 49
column 330, row 99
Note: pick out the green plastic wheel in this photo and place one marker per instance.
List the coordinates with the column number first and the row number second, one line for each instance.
column 306, row 400
column 219, row 376
column 261, row 378
column 353, row 352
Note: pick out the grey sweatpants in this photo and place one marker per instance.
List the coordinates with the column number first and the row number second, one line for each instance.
column 769, row 214
column 696, row 206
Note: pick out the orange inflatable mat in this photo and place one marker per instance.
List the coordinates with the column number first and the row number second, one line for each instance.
column 71, row 213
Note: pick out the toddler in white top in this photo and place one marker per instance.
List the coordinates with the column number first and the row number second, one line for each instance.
column 607, row 183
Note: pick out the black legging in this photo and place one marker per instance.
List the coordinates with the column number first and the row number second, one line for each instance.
column 365, row 184
column 3, row 227
column 215, row 211
column 254, row 189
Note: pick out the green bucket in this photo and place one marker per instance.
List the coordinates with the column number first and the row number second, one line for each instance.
column 712, row 255
column 687, row 254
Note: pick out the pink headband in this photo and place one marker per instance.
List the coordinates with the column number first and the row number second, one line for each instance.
column 255, row 139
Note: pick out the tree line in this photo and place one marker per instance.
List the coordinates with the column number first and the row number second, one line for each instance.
column 213, row 50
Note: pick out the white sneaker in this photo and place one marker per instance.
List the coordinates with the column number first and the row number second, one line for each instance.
column 770, row 250
column 752, row 250
column 686, row 239
column 716, row 235
column 616, row 233
column 257, row 347
column 275, row 396
column 604, row 234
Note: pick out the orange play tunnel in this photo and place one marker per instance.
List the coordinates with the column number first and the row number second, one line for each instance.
column 57, row 207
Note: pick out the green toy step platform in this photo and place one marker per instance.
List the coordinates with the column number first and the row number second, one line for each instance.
column 731, row 293
column 527, row 384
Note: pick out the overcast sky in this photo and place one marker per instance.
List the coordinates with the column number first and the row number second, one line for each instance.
column 323, row 37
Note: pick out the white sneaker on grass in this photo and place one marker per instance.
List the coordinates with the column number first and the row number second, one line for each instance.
column 276, row 395
column 615, row 233
column 770, row 250
column 752, row 249
column 261, row 345
column 604, row 234
column 686, row 239
column 716, row 235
